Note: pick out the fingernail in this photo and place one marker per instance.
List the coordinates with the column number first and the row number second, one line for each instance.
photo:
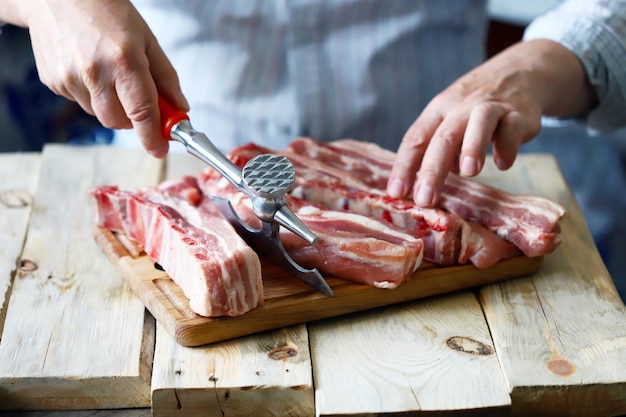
column 424, row 195
column 500, row 163
column 469, row 166
column 395, row 188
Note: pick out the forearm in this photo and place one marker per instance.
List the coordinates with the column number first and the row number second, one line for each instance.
column 595, row 32
column 565, row 89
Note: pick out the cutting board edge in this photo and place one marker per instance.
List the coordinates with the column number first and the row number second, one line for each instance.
column 346, row 301
column 190, row 329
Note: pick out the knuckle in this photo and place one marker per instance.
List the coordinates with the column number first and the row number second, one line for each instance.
column 484, row 109
column 414, row 137
column 120, row 50
column 524, row 128
column 91, row 74
column 447, row 136
column 139, row 111
column 113, row 58
column 418, row 142
column 112, row 122
column 428, row 174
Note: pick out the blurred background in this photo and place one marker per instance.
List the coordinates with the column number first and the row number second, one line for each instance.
column 31, row 115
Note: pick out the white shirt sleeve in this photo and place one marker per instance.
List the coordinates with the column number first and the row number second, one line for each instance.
column 269, row 71
column 594, row 30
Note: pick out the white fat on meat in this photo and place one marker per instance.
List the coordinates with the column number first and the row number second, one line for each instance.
column 373, row 248
column 367, row 162
column 217, row 271
column 350, row 246
column 447, row 239
column 530, row 223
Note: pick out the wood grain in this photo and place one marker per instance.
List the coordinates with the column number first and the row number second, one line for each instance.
column 268, row 374
column 75, row 335
column 560, row 335
column 433, row 356
column 194, row 381
column 18, row 181
column 137, row 412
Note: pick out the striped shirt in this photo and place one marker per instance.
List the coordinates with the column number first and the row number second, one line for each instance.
column 596, row 32
column 270, row 70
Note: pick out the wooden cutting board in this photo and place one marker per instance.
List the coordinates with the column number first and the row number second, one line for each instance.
column 287, row 301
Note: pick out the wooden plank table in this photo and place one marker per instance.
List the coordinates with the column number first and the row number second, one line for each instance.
column 75, row 337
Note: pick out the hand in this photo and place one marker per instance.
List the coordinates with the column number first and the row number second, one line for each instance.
column 102, row 55
column 498, row 103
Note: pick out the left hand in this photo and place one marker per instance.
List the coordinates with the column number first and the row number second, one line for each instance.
column 498, row 103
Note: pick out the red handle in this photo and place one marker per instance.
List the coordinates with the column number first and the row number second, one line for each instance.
column 169, row 117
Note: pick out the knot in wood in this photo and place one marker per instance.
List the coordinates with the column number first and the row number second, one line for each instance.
column 282, row 352
column 26, row 265
column 16, row 198
column 561, row 366
column 468, row 345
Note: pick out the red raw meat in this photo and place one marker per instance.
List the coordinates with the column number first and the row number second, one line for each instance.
column 530, row 223
column 365, row 236
column 351, row 246
column 448, row 238
column 367, row 162
column 196, row 246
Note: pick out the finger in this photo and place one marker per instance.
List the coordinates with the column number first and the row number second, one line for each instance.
column 508, row 138
column 411, row 153
column 109, row 110
column 481, row 126
column 438, row 160
column 69, row 88
column 137, row 94
column 455, row 164
column 74, row 92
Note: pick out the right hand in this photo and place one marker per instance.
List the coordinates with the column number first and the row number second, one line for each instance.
column 102, row 55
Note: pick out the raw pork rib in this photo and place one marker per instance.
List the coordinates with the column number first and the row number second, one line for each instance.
column 530, row 223
column 448, row 239
column 351, row 246
column 198, row 248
